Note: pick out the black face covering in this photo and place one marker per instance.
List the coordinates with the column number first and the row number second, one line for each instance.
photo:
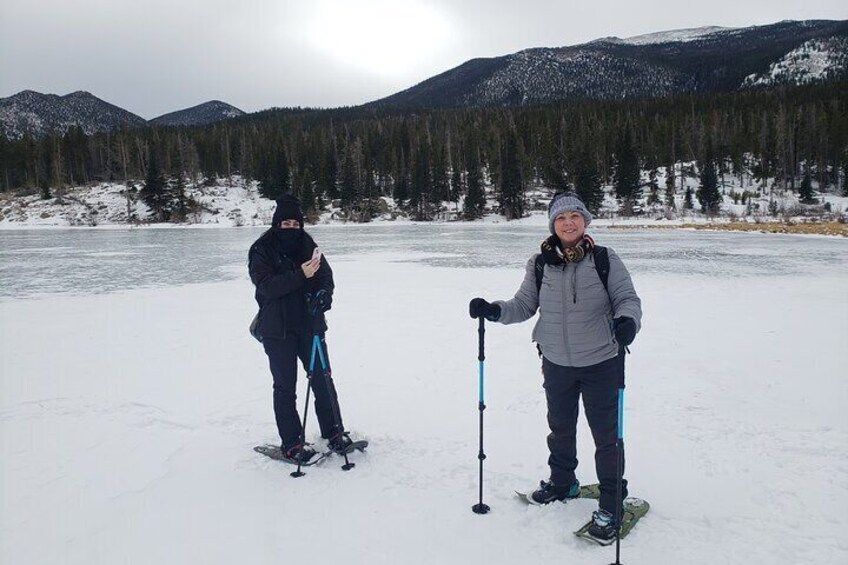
column 288, row 240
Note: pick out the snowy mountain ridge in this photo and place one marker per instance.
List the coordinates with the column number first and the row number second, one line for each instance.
column 37, row 114
column 675, row 35
column 206, row 113
column 698, row 60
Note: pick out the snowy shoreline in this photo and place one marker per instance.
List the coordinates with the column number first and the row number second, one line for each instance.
column 799, row 226
column 236, row 202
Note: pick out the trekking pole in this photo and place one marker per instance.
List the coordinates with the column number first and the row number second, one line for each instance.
column 481, row 508
column 300, row 473
column 316, row 346
column 619, row 445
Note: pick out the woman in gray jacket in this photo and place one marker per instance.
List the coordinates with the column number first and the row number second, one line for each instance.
column 581, row 334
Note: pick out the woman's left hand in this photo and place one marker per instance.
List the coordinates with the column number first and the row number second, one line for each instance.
column 625, row 330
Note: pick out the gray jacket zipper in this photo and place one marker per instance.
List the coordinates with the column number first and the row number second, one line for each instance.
column 565, row 341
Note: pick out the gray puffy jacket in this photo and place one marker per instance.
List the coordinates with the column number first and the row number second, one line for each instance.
column 575, row 312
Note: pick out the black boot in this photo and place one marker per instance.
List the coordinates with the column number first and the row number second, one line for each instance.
column 299, row 452
column 549, row 492
column 603, row 525
column 340, row 443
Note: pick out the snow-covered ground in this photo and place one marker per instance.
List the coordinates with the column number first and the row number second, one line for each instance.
column 131, row 396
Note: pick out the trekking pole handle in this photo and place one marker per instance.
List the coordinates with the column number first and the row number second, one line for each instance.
column 481, row 332
column 481, row 355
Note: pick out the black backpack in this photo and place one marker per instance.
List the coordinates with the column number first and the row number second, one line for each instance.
column 602, row 265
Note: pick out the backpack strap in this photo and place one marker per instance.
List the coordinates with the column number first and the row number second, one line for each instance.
column 540, row 271
column 602, row 265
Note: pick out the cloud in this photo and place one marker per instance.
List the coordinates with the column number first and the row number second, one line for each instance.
column 157, row 56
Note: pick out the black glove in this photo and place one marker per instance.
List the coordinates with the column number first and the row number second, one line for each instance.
column 625, row 330
column 479, row 308
column 319, row 302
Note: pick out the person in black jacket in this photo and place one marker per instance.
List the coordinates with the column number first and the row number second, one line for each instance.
column 293, row 290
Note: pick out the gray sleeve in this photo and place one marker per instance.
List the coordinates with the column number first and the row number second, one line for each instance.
column 526, row 300
column 625, row 301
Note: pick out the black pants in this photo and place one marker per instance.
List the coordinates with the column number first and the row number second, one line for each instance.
column 598, row 384
column 283, row 355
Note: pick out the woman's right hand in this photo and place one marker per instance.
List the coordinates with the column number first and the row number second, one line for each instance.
column 311, row 267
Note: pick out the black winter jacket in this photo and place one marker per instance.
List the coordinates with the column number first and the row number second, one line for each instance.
column 281, row 286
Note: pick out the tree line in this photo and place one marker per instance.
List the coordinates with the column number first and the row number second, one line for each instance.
column 426, row 157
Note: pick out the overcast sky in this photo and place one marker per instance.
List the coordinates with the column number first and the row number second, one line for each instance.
column 156, row 56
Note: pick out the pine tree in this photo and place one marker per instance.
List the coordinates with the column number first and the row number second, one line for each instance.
column 669, row 187
column 328, row 176
column 155, row 190
column 349, row 184
column 401, row 188
column 653, row 187
column 687, row 200
column 441, row 185
column 587, row 181
column 551, row 167
column 475, row 198
column 421, row 185
column 369, row 197
column 708, row 195
column 626, row 173
column 456, row 189
column 806, row 190
column 180, row 201
column 306, row 193
column 274, row 175
column 845, row 174
column 511, row 196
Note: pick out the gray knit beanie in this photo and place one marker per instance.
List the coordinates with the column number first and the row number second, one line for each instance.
column 566, row 202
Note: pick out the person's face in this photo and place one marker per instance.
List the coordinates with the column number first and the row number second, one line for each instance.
column 569, row 227
column 289, row 224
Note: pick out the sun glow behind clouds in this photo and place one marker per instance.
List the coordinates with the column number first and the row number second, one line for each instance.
column 389, row 38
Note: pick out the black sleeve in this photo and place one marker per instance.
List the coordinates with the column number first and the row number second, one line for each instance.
column 269, row 284
column 323, row 278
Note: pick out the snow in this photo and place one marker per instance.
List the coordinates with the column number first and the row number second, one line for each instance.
column 235, row 201
column 128, row 412
column 672, row 36
column 816, row 59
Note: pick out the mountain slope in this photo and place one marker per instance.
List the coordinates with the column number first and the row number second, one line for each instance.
column 206, row 113
column 39, row 114
column 700, row 60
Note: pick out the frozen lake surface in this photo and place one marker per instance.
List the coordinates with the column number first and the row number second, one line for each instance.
column 81, row 261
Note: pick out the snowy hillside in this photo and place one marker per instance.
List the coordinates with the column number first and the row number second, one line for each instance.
column 225, row 203
column 237, row 202
column 535, row 76
column 817, row 59
column 38, row 114
column 206, row 113
column 707, row 59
